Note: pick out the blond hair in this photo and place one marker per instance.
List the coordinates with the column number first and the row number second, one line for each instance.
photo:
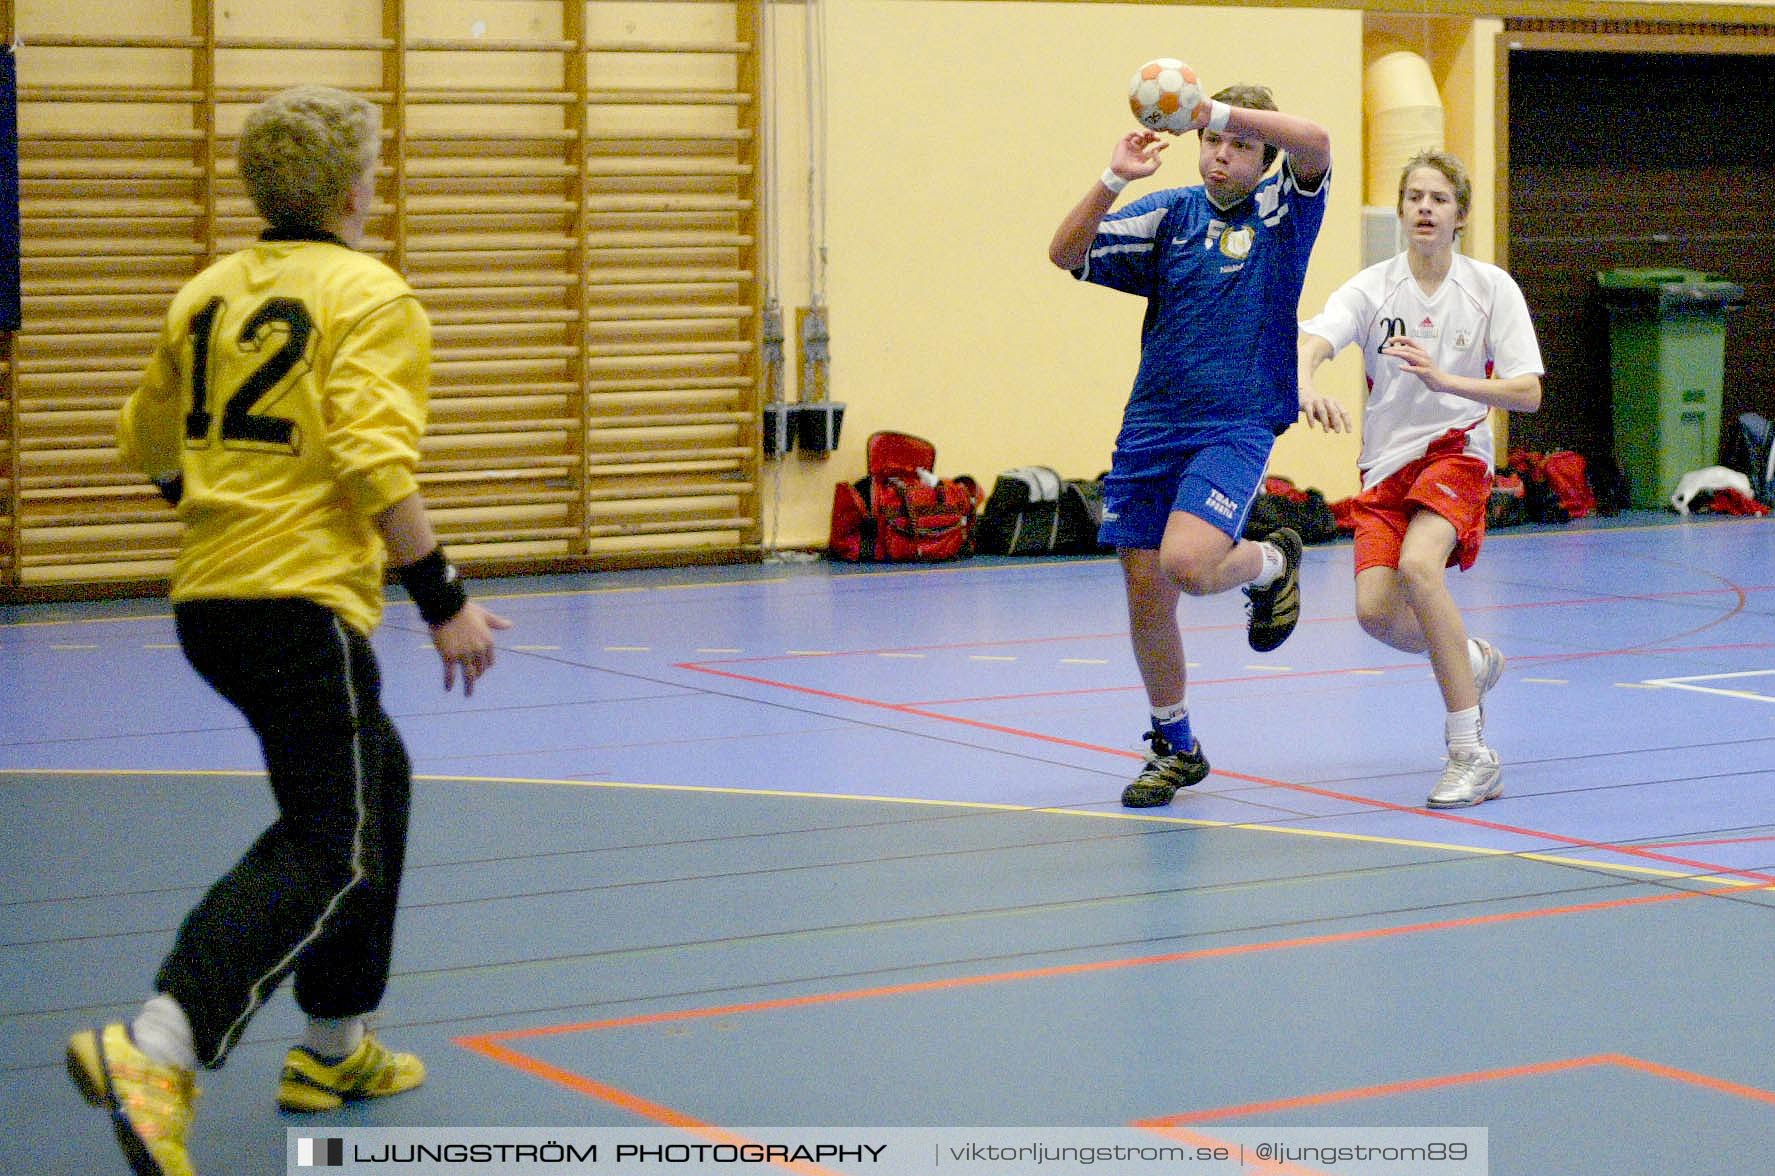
column 302, row 149
column 1452, row 169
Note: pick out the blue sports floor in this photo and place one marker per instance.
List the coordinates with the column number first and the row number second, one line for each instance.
column 805, row 845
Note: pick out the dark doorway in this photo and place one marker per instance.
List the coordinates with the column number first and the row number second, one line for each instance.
column 1637, row 159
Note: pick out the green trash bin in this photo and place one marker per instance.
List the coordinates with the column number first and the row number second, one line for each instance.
column 1667, row 362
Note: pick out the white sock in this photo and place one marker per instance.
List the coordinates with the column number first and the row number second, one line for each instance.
column 333, row 1039
column 1170, row 714
column 1462, row 730
column 161, row 1031
column 1274, row 564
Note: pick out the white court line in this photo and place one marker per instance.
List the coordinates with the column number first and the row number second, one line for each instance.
column 1686, row 684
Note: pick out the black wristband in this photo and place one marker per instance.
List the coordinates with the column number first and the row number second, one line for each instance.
column 434, row 587
column 171, row 487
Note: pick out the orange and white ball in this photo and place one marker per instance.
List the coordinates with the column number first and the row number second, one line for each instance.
column 1164, row 95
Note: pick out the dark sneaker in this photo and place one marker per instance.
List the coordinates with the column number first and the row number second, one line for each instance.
column 1274, row 611
column 1165, row 772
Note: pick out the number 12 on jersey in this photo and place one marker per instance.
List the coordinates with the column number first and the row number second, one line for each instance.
column 241, row 372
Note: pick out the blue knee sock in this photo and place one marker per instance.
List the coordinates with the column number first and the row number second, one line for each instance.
column 1173, row 727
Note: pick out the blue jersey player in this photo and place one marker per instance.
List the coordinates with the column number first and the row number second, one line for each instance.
column 1221, row 266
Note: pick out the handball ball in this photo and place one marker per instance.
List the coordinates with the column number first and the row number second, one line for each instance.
column 1164, row 95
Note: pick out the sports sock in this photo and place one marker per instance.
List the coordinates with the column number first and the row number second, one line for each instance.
column 1172, row 724
column 1274, row 564
column 1462, row 730
column 161, row 1031
column 333, row 1039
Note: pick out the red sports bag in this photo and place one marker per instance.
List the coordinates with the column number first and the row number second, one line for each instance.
column 902, row 512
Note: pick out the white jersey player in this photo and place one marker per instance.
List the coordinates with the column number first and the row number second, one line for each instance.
column 1444, row 339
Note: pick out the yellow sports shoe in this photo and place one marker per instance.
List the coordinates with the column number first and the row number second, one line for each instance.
column 150, row 1103
column 370, row 1071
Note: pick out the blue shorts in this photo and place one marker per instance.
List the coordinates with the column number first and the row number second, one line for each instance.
column 1214, row 476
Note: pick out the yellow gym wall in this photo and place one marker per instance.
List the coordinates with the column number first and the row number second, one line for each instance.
column 960, row 134
column 955, row 135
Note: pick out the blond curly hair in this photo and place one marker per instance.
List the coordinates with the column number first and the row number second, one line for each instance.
column 302, row 149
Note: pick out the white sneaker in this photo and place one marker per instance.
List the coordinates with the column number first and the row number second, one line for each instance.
column 1491, row 666
column 1469, row 778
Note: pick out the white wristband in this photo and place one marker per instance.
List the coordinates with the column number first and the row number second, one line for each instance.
column 1218, row 114
column 1110, row 180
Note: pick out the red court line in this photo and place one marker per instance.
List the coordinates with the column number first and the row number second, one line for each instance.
column 900, row 708
column 1626, row 851
column 1708, row 868
column 1177, row 1126
column 1705, row 1081
column 492, row 1045
column 1287, row 675
column 1443, row 1081
column 1700, row 867
column 1382, row 1090
column 653, row 1112
column 1569, row 602
column 1204, row 953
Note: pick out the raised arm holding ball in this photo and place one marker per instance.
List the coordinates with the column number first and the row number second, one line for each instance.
column 1221, row 265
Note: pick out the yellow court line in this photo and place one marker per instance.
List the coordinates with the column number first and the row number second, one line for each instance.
column 978, row 805
column 701, row 584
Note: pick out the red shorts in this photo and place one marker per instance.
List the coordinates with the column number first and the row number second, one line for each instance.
column 1454, row 485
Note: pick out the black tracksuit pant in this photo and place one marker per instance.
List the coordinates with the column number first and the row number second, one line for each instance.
column 315, row 895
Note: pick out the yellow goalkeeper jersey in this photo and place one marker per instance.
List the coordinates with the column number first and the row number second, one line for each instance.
column 289, row 389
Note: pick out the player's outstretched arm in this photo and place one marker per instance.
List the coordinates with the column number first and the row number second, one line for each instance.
column 1515, row 394
column 461, row 630
column 1135, row 157
column 1325, row 412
